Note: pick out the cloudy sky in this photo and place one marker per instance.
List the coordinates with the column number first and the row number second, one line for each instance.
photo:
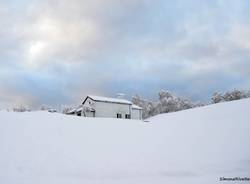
column 57, row 51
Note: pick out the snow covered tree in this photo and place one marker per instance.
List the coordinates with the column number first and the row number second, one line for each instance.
column 186, row 104
column 171, row 103
column 230, row 96
column 148, row 108
column 67, row 109
column 167, row 103
column 234, row 95
column 151, row 109
column 217, row 97
column 21, row 108
column 137, row 100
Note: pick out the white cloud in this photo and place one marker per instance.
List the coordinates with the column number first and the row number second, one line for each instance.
column 85, row 45
column 240, row 36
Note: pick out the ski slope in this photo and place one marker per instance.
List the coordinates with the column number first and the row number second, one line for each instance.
column 192, row 146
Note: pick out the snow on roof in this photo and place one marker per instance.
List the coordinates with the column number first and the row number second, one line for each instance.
column 75, row 109
column 80, row 108
column 107, row 99
column 136, row 107
column 71, row 111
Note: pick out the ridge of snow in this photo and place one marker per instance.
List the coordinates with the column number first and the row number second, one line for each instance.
column 193, row 146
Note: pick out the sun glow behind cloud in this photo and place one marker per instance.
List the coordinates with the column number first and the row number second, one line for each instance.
column 36, row 50
column 55, row 39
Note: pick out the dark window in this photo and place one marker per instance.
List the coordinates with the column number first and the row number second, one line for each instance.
column 119, row 115
column 127, row 116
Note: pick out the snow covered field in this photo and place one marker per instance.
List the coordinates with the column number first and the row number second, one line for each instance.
column 193, row 146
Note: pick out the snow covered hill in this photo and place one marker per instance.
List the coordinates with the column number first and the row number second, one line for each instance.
column 193, row 146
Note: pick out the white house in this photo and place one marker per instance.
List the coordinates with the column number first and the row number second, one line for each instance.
column 96, row 106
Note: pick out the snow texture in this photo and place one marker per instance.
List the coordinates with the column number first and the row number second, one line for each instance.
column 107, row 99
column 192, row 146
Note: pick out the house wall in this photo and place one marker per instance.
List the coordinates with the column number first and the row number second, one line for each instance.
column 110, row 110
column 89, row 114
column 136, row 114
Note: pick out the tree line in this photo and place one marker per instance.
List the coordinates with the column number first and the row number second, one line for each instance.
column 168, row 102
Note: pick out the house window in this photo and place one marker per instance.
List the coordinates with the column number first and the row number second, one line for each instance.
column 119, row 115
column 127, row 116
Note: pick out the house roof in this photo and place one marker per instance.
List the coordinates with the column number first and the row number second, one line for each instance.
column 72, row 111
column 107, row 99
column 136, row 107
column 79, row 109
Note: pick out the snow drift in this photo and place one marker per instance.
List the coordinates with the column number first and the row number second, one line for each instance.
column 192, row 146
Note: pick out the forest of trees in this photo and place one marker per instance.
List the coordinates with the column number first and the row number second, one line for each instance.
column 230, row 96
column 166, row 103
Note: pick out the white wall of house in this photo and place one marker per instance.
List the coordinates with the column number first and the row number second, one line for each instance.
column 104, row 109
column 89, row 114
column 136, row 114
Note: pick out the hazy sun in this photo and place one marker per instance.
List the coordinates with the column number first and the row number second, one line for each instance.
column 36, row 49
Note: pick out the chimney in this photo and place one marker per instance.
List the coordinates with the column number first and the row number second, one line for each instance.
column 120, row 95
